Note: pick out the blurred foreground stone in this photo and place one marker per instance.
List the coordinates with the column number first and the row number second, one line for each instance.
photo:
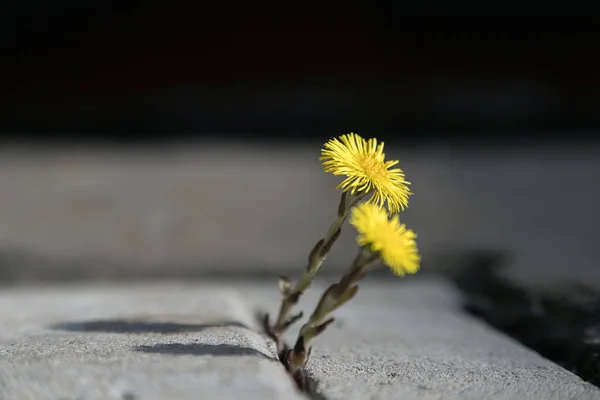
column 227, row 209
column 405, row 340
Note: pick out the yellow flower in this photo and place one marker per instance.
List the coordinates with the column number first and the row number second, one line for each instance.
column 387, row 237
column 363, row 163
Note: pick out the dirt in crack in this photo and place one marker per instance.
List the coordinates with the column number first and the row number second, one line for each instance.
column 305, row 383
column 560, row 323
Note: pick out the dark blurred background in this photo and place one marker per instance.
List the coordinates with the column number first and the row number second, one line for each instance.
column 170, row 139
column 129, row 70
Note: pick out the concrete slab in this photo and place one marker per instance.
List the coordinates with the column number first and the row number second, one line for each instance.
column 123, row 343
column 405, row 339
column 409, row 339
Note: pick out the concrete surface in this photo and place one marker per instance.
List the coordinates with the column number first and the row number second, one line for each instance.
column 143, row 343
column 411, row 340
column 186, row 211
column 402, row 340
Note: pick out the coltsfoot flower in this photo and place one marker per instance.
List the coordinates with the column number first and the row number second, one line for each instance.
column 386, row 237
column 371, row 191
column 366, row 170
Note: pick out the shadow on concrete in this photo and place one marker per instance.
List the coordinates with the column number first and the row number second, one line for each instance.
column 560, row 322
column 202, row 349
column 139, row 326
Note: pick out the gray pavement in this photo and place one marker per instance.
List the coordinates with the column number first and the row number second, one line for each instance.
column 412, row 340
column 407, row 339
column 144, row 342
column 186, row 211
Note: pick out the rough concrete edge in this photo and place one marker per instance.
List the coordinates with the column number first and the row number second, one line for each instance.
column 540, row 318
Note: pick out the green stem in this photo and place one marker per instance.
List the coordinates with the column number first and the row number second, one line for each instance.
column 333, row 298
column 309, row 274
column 316, row 259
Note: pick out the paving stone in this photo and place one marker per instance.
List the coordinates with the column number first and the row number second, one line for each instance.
column 144, row 342
column 183, row 211
column 406, row 339
column 410, row 339
column 558, row 321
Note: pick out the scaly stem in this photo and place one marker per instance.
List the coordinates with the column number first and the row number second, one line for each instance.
column 316, row 258
column 334, row 297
